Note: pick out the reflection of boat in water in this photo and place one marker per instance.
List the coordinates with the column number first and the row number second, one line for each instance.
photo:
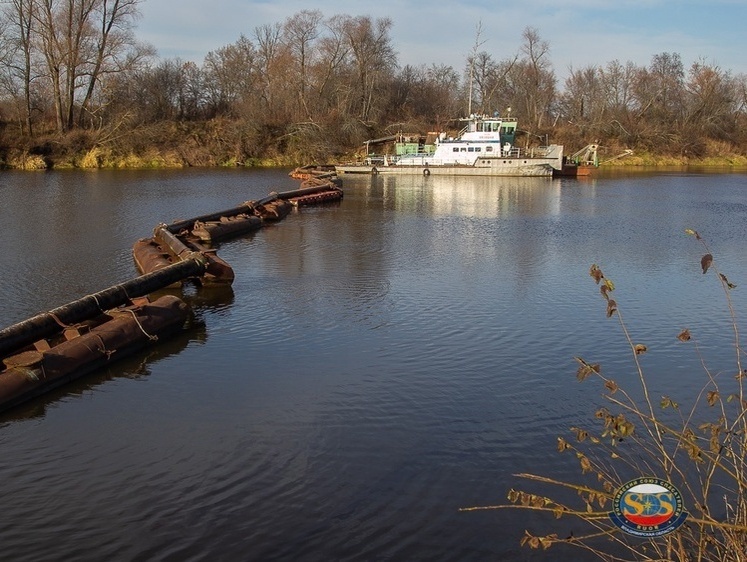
column 486, row 146
column 466, row 197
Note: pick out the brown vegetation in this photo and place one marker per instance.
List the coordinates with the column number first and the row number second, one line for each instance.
column 78, row 89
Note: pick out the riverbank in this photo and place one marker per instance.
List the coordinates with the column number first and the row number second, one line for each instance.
column 660, row 161
column 169, row 145
column 98, row 158
column 219, row 144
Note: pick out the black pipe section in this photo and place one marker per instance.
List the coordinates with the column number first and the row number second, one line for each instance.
column 246, row 208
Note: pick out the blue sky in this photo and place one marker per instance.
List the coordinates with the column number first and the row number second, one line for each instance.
column 580, row 32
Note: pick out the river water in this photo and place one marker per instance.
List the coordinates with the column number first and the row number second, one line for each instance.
column 377, row 365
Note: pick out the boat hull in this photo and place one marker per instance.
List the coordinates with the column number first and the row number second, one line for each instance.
column 483, row 167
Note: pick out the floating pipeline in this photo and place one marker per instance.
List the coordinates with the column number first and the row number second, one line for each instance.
column 52, row 348
column 315, row 191
column 154, row 253
column 165, row 249
column 226, row 227
column 314, row 172
column 316, row 197
column 87, row 347
column 273, row 211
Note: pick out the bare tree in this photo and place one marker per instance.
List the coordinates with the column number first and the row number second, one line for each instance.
column 272, row 86
column 300, row 32
column 373, row 57
column 659, row 88
column 332, row 92
column 584, row 103
column 490, row 78
column 230, row 75
column 80, row 40
column 712, row 101
column 17, row 21
column 114, row 46
column 536, row 79
column 158, row 93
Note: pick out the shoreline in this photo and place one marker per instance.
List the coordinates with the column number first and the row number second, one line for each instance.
column 171, row 161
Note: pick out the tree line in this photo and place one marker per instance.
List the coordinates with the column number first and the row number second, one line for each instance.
column 74, row 77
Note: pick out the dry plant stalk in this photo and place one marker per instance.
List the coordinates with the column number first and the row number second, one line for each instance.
column 638, row 436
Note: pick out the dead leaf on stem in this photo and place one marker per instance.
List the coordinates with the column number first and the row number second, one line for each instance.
column 611, row 307
column 596, row 273
column 726, row 281
column 705, row 262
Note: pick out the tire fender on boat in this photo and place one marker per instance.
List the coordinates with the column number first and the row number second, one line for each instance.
column 374, row 171
column 426, row 172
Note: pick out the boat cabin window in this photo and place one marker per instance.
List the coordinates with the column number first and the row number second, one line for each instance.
column 488, row 149
column 464, row 149
column 470, row 149
column 478, row 149
column 455, row 149
column 485, row 126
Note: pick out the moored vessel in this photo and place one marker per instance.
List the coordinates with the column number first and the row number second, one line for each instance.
column 485, row 146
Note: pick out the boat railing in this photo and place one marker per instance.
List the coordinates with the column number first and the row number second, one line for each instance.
column 419, row 159
column 375, row 160
column 533, row 152
column 416, row 158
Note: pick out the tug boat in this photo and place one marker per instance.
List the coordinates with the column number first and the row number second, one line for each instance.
column 485, row 146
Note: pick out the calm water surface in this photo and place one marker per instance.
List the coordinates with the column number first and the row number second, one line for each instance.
column 377, row 364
